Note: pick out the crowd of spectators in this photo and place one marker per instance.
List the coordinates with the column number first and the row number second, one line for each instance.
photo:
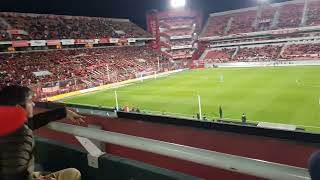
column 314, row 14
column 184, row 29
column 216, row 25
column 288, row 15
column 266, row 53
column 181, row 42
column 267, row 16
column 291, row 15
column 264, row 38
column 181, row 53
column 298, row 51
column 242, row 22
column 43, row 27
column 221, row 54
column 177, row 23
column 86, row 64
column 179, row 32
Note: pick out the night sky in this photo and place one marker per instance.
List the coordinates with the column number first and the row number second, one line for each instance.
column 133, row 9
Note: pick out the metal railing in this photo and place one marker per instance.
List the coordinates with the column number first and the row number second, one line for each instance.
column 253, row 167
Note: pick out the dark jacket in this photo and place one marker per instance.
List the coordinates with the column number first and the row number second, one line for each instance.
column 16, row 149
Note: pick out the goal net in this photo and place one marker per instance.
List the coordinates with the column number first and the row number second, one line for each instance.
column 146, row 75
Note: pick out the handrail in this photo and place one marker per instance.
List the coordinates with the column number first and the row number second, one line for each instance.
column 253, row 167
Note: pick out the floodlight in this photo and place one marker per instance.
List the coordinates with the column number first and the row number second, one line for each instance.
column 178, row 3
column 263, row 1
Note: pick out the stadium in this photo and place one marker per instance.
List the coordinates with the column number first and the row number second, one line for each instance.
column 230, row 95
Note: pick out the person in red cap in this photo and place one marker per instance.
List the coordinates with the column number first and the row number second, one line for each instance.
column 15, row 115
column 16, row 139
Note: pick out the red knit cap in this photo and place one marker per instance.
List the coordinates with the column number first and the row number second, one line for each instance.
column 11, row 119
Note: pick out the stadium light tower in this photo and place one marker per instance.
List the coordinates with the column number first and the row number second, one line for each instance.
column 178, row 3
column 263, row 1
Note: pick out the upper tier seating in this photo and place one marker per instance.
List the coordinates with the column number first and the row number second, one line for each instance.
column 242, row 22
column 291, row 15
column 314, row 14
column 43, row 27
column 269, row 17
column 177, row 23
column 185, row 31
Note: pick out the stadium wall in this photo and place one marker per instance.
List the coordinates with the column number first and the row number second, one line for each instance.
column 289, row 152
column 113, row 85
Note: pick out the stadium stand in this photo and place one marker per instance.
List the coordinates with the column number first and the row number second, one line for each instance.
column 291, row 15
column 83, row 68
column 220, row 54
column 300, row 51
column 176, row 32
column 177, row 24
column 269, row 32
column 263, row 53
column 314, row 14
column 268, row 17
column 241, row 22
column 181, row 53
column 20, row 26
column 216, row 26
column 179, row 33
column 181, row 42
column 248, row 53
column 57, row 71
column 89, row 67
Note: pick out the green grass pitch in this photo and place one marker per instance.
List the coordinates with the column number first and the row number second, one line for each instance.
column 286, row 95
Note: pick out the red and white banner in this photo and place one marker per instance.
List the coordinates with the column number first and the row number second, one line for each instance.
column 265, row 21
column 181, row 56
column 53, row 42
column 84, row 41
column 104, row 41
column 285, row 31
column 182, row 47
column 5, row 42
column 17, row 32
column 131, row 40
column 113, row 40
column 51, row 89
column 67, row 41
column 181, row 27
column 34, row 43
column 38, row 43
column 96, row 41
column 123, row 40
column 181, row 37
column 20, row 43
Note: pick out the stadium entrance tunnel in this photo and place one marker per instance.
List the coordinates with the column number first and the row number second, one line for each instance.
column 290, row 150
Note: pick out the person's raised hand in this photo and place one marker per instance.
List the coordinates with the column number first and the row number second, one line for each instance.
column 74, row 117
